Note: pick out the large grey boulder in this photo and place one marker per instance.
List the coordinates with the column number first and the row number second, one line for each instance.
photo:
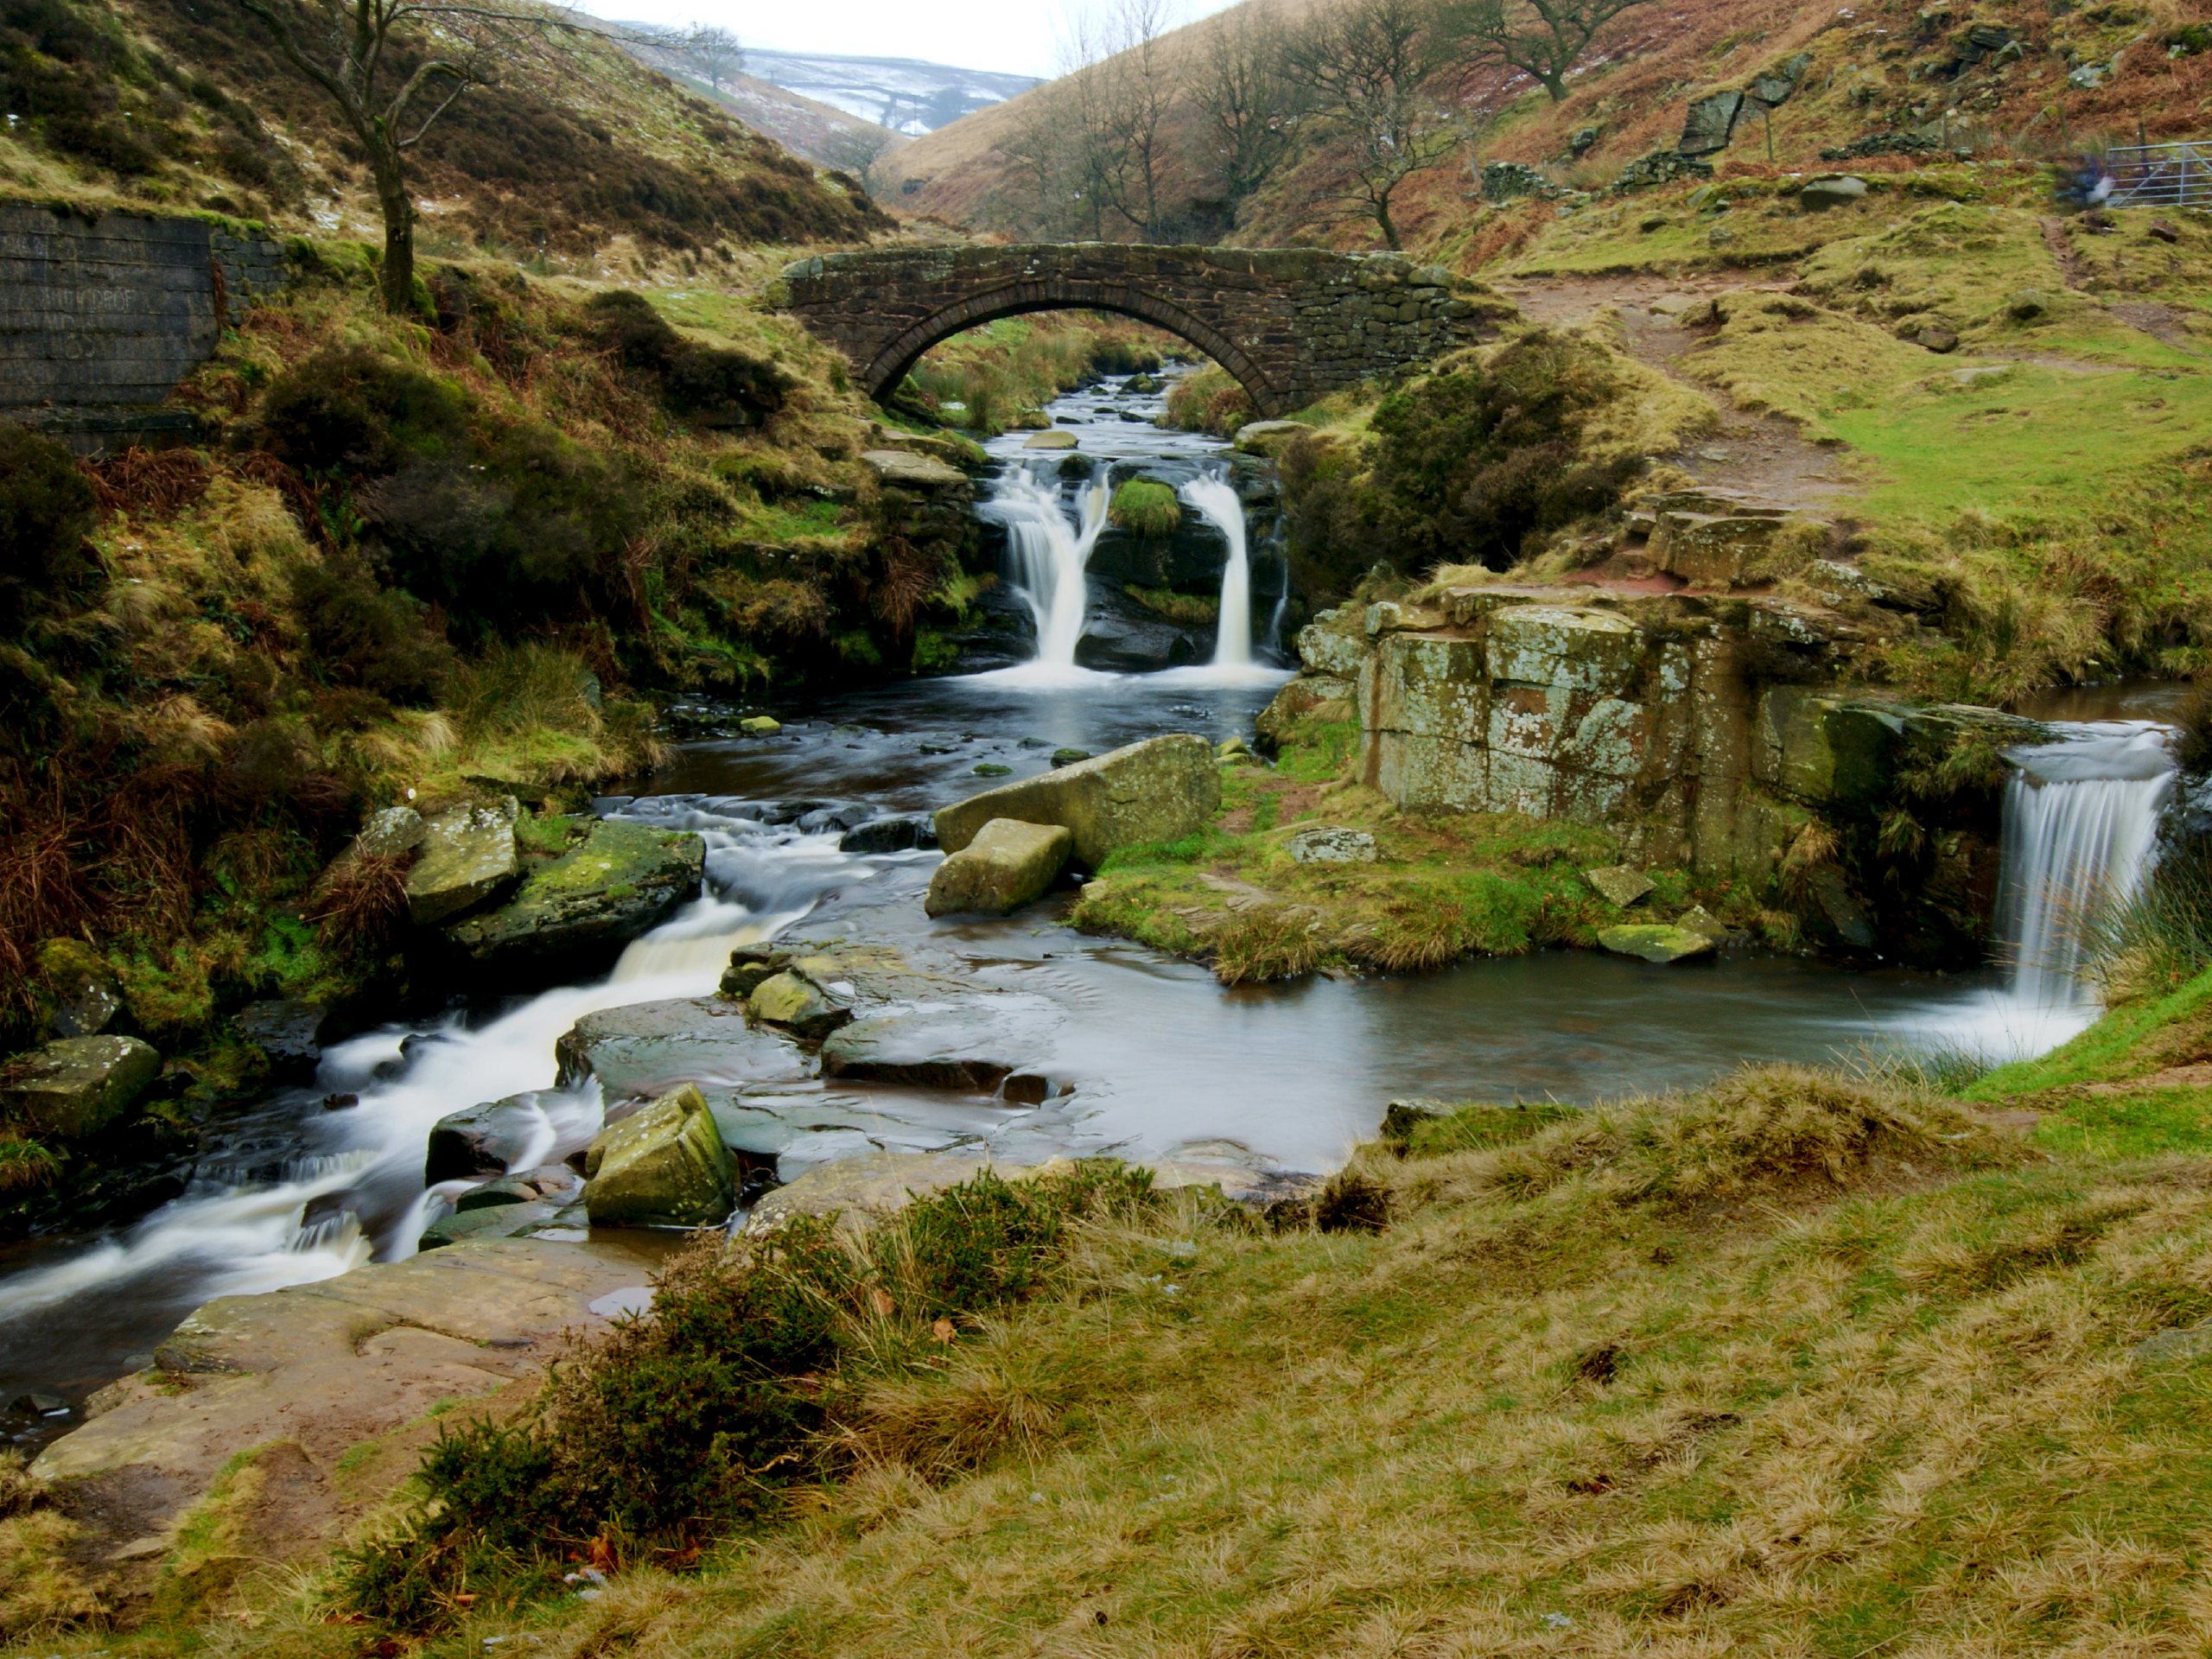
column 586, row 905
column 1823, row 193
column 469, row 857
column 1160, row 790
column 1711, row 122
column 77, row 1085
column 1657, row 941
column 650, row 1048
column 663, row 1166
column 1008, row 864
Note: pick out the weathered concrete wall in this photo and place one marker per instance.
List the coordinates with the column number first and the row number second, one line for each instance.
column 101, row 316
column 1657, row 716
column 1291, row 324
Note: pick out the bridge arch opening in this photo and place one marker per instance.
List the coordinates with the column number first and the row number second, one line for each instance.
column 883, row 373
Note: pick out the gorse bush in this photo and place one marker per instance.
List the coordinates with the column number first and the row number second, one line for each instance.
column 693, row 1420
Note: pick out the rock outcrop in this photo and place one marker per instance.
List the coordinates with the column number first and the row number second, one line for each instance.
column 1006, row 865
column 1160, row 790
column 77, row 1086
column 582, row 908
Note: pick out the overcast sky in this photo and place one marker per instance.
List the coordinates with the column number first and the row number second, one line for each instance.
column 1018, row 36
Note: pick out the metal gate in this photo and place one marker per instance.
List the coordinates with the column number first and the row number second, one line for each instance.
column 2161, row 176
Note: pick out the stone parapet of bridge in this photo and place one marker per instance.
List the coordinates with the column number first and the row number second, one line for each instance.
column 1290, row 324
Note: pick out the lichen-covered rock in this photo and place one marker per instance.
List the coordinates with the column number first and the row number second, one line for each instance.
column 1270, row 438
column 1619, row 885
column 1160, row 790
column 795, row 1002
column 586, row 905
column 1710, row 124
column 663, row 1166
column 77, row 996
column 77, row 1085
column 902, row 470
column 1055, row 440
column 1574, row 649
column 1332, row 643
column 1008, row 864
column 1317, row 697
column 1657, row 941
column 1331, row 846
column 1735, row 549
column 468, row 858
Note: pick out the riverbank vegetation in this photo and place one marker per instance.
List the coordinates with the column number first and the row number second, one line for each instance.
column 410, row 559
column 1799, row 1357
column 1002, row 375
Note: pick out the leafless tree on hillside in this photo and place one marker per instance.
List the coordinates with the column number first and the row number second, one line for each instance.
column 714, row 53
column 1247, row 100
column 1366, row 67
column 1543, row 39
column 346, row 47
column 1137, row 85
column 861, row 152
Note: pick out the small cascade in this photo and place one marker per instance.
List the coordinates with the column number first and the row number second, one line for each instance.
column 1216, row 500
column 2082, row 820
column 1051, row 557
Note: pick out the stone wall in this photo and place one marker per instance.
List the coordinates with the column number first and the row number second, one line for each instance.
column 102, row 315
column 1290, row 324
column 1709, row 733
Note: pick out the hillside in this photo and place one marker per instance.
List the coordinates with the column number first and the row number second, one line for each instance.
column 904, row 94
column 182, row 103
column 1877, row 72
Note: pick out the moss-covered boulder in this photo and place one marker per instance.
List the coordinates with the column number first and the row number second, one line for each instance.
column 1160, row 790
column 798, row 1003
column 663, row 1166
column 76, row 996
column 582, row 907
column 467, row 858
column 1658, row 942
column 77, row 1085
column 1008, row 864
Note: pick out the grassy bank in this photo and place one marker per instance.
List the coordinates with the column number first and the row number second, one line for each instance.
column 1003, row 374
column 1798, row 1363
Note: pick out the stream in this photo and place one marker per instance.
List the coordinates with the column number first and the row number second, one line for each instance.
column 1163, row 1061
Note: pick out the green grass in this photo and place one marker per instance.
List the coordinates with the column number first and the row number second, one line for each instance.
column 1146, row 507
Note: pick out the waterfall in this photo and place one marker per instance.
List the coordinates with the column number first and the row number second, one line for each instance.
column 2082, row 819
column 1051, row 557
column 1216, row 499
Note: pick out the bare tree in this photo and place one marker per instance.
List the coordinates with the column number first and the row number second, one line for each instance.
column 347, row 48
column 860, row 150
column 1247, row 101
column 714, row 53
column 1135, row 87
column 1544, row 39
column 1050, row 163
column 1366, row 65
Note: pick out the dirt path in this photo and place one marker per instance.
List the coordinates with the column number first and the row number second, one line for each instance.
column 1763, row 456
column 2148, row 317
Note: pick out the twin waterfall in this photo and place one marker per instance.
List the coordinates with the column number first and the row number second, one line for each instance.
column 1051, row 560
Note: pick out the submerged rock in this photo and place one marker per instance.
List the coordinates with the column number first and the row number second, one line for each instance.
column 469, row 857
column 622, row 880
column 663, row 1166
column 650, row 1048
column 1655, row 942
column 895, row 834
column 1008, row 864
column 78, row 1085
column 1160, row 790
column 970, row 1046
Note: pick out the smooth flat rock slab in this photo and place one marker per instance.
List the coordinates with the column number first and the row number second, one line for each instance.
column 1655, row 942
column 586, row 905
column 324, row 1367
column 648, row 1048
column 469, row 857
column 969, row 1045
column 1620, row 886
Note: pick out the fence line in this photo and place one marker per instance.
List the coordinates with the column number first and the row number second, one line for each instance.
column 2161, row 176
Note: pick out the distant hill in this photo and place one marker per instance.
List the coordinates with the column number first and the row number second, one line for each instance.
column 1883, row 71
column 823, row 133
column 183, row 103
column 904, row 94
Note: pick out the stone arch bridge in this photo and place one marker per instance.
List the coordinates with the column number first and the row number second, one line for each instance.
column 1291, row 324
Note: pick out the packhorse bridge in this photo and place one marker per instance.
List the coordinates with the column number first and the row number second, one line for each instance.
column 1291, row 324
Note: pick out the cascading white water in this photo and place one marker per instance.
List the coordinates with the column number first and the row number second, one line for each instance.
column 2082, row 820
column 1052, row 557
column 1216, row 499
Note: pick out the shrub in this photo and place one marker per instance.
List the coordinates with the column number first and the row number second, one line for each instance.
column 366, row 636
column 1145, row 507
column 1121, row 355
column 47, row 506
column 694, row 1418
column 355, row 409
column 712, row 385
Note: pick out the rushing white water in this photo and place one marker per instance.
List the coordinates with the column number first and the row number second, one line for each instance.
column 1052, row 557
column 1216, row 500
column 2082, row 821
column 245, row 1234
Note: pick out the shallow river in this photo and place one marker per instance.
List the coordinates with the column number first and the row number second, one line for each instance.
column 1162, row 1058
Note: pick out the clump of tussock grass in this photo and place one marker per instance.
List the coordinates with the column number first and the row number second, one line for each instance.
column 2161, row 937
